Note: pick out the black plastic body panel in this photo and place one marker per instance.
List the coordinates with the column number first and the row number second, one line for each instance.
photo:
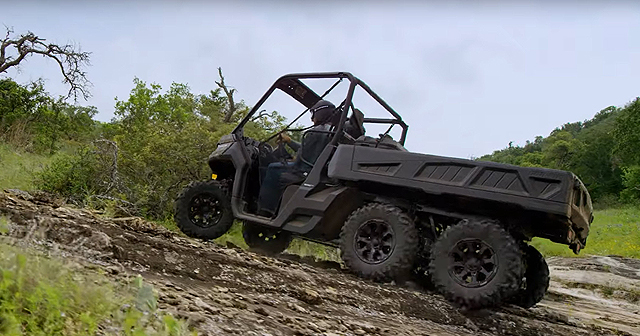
column 540, row 190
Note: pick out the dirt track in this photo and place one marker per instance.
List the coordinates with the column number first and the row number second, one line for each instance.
column 228, row 291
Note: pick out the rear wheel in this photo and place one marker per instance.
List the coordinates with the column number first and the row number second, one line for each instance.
column 203, row 210
column 380, row 242
column 476, row 264
column 536, row 279
column 265, row 240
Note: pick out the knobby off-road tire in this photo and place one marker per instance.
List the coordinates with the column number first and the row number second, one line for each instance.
column 265, row 240
column 379, row 242
column 203, row 210
column 476, row 264
column 536, row 281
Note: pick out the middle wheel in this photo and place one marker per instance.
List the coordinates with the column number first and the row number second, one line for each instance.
column 379, row 241
column 264, row 239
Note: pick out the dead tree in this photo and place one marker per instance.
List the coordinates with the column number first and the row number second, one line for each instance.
column 231, row 109
column 71, row 60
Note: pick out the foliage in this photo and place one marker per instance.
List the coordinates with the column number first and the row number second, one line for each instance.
column 631, row 182
column 19, row 167
column 74, row 176
column 34, row 121
column 627, row 133
column 39, row 296
column 627, row 149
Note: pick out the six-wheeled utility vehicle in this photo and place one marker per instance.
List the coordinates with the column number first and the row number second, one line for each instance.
column 462, row 224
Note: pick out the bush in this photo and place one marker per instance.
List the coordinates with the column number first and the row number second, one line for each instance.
column 34, row 121
column 631, row 182
column 77, row 176
column 607, row 201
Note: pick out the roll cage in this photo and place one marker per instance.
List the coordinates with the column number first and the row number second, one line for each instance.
column 292, row 85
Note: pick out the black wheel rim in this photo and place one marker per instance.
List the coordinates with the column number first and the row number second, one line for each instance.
column 374, row 241
column 205, row 210
column 472, row 263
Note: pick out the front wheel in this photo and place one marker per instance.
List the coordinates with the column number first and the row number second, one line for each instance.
column 203, row 210
column 379, row 242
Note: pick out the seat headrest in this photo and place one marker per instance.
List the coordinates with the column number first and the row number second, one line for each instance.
column 357, row 121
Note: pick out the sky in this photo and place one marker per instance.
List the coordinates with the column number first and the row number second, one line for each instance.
column 468, row 77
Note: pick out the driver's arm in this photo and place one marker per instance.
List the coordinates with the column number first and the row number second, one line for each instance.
column 292, row 144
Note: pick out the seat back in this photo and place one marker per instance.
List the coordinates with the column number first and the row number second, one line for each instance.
column 356, row 124
column 311, row 149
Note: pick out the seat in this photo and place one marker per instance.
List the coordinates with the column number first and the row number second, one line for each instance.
column 355, row 125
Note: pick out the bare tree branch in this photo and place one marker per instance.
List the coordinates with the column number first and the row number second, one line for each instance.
column 114, row 164
column 232, row 106
column 71, row 60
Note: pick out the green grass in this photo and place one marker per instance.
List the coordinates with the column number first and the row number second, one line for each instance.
column 614, row 231
column 41, row 296
column 17, row 167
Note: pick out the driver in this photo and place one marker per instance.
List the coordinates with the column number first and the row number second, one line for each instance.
column 314, row 143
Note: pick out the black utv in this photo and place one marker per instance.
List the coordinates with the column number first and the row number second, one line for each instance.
column 462, row 224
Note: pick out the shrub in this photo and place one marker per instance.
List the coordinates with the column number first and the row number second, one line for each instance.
column 77, row 176
column 631, row 182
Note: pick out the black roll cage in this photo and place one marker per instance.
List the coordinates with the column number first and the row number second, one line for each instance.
column 292, row 85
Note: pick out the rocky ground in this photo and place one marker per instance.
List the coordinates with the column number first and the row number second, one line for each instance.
column 228, row 291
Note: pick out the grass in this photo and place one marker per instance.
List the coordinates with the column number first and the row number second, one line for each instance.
column 42, row 296
column 614, row 231
column 17, row 167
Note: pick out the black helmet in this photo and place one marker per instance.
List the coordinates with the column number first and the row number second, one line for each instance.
column 322, row 111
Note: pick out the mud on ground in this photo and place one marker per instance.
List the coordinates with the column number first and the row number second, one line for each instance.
column 229, row 291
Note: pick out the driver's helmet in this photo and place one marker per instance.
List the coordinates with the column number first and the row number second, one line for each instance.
column 323, row 111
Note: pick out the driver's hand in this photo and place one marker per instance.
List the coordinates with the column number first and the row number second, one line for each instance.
column 283, row 137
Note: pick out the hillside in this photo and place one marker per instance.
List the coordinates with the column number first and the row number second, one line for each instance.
column 229, row 291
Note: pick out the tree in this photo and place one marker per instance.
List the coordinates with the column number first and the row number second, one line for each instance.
column 33, row 120
column 14, row 49
column 627, row 149
column 594, row 162
column 231, row 108
column 559, row 150
column 627, row 134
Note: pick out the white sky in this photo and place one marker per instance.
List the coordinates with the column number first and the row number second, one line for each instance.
column 466, row 78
